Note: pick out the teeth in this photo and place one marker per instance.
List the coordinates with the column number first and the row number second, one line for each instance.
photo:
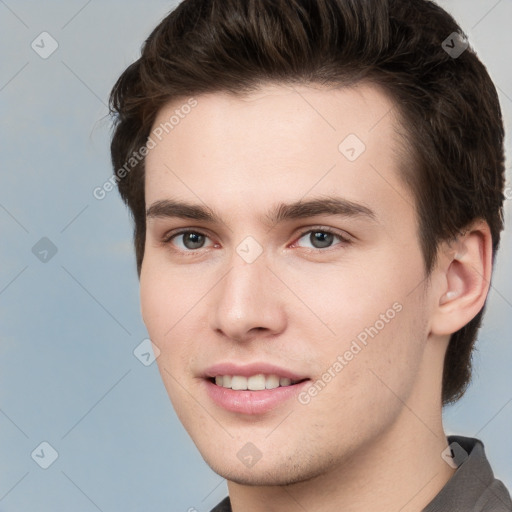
column 238, row 382
column 256, row 382
column 272, row 382
column 253, row 383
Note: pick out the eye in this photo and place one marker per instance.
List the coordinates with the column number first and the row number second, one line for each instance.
column 321, row 238
column 190, row 240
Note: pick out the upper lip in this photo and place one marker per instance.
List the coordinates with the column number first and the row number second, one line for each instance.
column 248, row 370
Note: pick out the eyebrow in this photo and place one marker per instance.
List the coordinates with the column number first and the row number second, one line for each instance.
column 169, row 208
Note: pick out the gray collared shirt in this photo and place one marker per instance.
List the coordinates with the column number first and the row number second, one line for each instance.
column 472, row 488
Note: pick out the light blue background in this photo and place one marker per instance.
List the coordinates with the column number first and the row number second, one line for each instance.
column 68, row 327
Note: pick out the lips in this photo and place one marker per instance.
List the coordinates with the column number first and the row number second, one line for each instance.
column 251, row 389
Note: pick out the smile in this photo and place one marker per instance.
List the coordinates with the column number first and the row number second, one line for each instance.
column 257, row 382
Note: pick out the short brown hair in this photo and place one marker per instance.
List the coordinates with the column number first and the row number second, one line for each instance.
column 448, row 104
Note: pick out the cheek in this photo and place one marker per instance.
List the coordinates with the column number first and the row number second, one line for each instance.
column 170, row 306
column 154, row 302
column 161, row 308
column 364, row 291
column 163, row 294
column 162, row 311
column 389, row 349
column 362, row 386
column 378, row 314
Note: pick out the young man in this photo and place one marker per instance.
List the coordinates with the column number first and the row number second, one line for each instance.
column 317, row 191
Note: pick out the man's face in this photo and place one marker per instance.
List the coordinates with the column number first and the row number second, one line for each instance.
column 333, row 300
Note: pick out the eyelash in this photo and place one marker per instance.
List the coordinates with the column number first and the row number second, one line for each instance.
column 170, row 236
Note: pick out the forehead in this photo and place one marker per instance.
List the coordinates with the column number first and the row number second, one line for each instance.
column 279, row 142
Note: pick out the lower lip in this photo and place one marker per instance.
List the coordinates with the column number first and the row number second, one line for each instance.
column 252, row 402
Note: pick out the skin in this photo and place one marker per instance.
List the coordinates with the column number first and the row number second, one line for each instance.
column 372, row 438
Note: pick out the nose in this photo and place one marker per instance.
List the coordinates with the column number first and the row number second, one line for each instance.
column 247, row 302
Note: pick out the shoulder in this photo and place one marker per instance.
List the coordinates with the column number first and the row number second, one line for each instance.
column 223, row 506
column 473, row 487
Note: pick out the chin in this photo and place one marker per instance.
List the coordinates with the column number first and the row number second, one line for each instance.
column 262, row 478
column 269, row 473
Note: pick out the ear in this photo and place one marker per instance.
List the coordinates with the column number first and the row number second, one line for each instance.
column 466, row 267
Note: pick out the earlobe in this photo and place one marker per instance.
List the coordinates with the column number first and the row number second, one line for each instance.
column 466, row 267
